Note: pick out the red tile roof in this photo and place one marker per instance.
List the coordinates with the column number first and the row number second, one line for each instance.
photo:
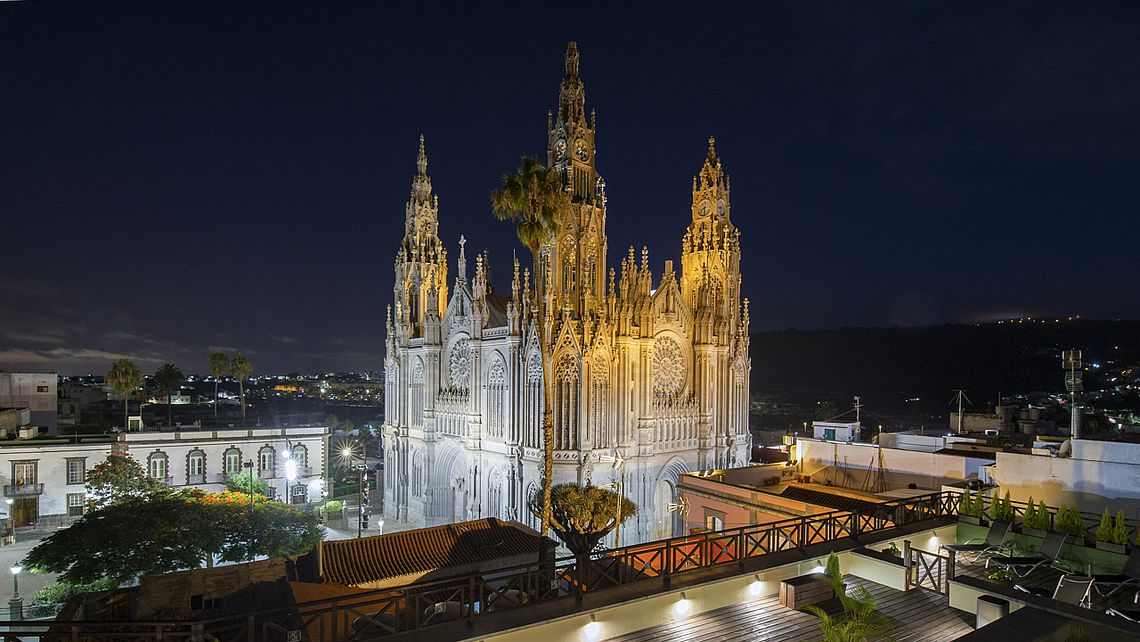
column 372, row 559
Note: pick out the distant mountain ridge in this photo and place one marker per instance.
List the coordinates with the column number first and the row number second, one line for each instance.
column 888, row 366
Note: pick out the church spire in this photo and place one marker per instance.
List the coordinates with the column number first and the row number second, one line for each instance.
column 421, row 160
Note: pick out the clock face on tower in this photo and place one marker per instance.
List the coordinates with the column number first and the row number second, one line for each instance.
column 560, row 149
column 703, row 208
column 580, row 150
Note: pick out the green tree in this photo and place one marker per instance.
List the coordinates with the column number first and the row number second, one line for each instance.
column 124, row 378
column 535, row 199
column 219, row 367
column 120, row 478
column 241, row 369
column 169, row 377
column 171, row 532
column 239, row 483
column 582, row 515
column 133, row 537
column 273, row 529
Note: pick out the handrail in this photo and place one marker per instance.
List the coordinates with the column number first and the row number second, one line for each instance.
column 416, row 606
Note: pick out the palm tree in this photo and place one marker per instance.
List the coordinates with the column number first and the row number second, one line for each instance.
column 535, row 198
column 168, row 378
column 124, row 378
column 581, row 516
column 241, row 369
column 219, row 366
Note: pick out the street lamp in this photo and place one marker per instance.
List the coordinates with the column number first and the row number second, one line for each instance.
column 16, row 604
column 348, row 455
column 290, row 474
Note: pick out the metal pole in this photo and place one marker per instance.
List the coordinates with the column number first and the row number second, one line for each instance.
column 249, row 467
column 359, row 502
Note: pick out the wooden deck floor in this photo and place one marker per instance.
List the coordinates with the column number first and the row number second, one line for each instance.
column 918, row 615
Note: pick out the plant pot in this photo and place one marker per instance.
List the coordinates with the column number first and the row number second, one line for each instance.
column 1111, row 547
column 1034, row 532
column 970, row 519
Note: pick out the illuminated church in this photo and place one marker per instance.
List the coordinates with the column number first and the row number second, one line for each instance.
column 650, row 372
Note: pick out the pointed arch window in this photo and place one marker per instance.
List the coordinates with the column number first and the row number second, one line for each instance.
column 496, row 398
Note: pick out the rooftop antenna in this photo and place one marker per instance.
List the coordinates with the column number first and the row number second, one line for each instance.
column 1071, row 361
column 960, row 395
column 857, row 407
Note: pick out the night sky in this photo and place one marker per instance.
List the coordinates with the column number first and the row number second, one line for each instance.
column 180, row 177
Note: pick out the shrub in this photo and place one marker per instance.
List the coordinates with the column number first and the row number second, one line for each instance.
column 1104, row 530
column 969, row 506
column 832, row 569
column 1036, row 516
column 1001, row 509
column 61, row 592
column 1069, row 521
column 1120, row 529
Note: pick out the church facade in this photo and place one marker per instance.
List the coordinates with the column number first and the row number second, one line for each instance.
column 649, row 374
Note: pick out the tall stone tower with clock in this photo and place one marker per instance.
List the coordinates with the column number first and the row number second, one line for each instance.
column 649, row 372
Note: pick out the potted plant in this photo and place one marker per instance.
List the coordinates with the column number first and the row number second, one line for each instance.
column 971, row 509
column 1112, row 535
column 1069, row 521
column 1035, row 521
column 1001, row 509
column 813, row 588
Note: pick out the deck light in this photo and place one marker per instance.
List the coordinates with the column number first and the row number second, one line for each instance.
column 593, row 630
column 756, row 587
column 683, row 606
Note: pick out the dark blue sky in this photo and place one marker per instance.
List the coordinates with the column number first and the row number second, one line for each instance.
column 176, row 177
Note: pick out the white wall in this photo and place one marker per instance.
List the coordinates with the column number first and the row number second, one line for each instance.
column 900, row 467
column 1090, row 484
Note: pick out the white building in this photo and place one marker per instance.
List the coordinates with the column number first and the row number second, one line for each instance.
column 653, row 369
column 45, row 478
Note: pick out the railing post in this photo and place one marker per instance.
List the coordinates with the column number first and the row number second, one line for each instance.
column 802, row 537
column 470, row 599
column 740, row 548
column 908, row 564
column 667, row 563
column 950, row 560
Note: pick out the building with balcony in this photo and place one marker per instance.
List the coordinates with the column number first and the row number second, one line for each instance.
column 45, row 478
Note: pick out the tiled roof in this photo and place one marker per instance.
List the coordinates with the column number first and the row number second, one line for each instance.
column 416, row 552
column 830, row 500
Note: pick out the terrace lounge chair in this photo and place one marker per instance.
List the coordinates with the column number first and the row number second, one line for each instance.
column 993, row 544
column 1071, row 589
column 1128, row 576
column 1024, row 565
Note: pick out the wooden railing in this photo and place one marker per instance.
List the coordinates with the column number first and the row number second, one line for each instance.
column 366, row 615
column 927, row 570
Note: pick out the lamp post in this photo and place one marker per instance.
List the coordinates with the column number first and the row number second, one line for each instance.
column 16, row 604
column 349, row 456
column 290, row 474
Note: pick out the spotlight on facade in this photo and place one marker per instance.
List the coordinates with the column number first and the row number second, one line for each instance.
column 819, row 568
column 683, row 605
column 593, row 630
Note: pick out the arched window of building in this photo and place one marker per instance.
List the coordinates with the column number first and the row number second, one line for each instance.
column 231, row 464
column 301, row 457
column 266, row 461
column 196, row 467
column 417, row 394
column 158, row 465
column 566, row 402
column 495, row 494
column 496, row 398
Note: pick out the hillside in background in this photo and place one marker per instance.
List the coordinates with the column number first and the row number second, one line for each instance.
column 910, row 373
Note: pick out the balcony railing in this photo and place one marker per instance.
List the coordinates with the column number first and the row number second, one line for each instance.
column 23, row 490
column 419, row 606
column 268, row 473
column 200, row 478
